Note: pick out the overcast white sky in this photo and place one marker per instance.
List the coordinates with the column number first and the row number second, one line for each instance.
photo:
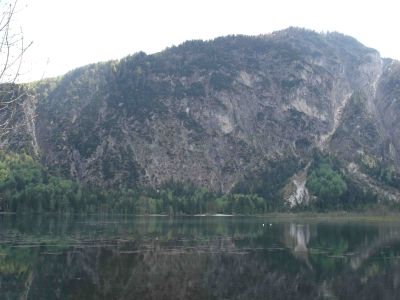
column 71, row 33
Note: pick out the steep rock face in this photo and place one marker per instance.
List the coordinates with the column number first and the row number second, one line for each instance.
column 212, row 112
column 388, row 106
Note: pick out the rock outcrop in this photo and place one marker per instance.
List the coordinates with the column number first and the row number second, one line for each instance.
column 213, row 112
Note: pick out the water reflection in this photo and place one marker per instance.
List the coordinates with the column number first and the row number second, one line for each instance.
column 299, row 236
column 196, row 258
column 386, row 238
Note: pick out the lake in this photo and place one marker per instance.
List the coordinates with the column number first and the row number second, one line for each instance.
column 97, row 257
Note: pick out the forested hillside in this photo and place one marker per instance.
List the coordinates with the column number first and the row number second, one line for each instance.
column 239, row 124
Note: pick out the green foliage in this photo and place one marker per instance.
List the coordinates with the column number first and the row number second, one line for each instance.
column 326, row 183
column 382, row 172
column 84, row 135
column 268, row 183
column 26, row 187
column 335, row 190
column 184, row 198
column 357, row 197
column 241, row 204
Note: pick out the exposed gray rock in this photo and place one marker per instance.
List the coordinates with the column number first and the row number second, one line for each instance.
column 212, row 112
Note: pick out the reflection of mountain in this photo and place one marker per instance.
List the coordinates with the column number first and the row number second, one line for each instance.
column 386, row 237
column 200, row 259
column 211, row 272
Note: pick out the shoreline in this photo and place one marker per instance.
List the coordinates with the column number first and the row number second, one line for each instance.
column 383, row 215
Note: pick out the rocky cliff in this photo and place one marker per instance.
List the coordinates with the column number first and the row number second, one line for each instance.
column 219, row 111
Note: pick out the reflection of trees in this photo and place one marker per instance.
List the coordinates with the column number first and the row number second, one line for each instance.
column 15, row 271
column 386, row 237
column 202, row 259
column 377, row 280
column 215, row 270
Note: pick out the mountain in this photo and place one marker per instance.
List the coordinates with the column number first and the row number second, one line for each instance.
column 293, row 110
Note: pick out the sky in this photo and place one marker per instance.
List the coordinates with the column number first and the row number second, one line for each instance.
column 67, row 34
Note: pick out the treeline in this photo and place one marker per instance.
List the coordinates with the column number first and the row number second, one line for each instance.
column 177, row 198
column 334, row 190
column 27, row 187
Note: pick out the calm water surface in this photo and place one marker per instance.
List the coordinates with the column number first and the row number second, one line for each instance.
column 197, row 258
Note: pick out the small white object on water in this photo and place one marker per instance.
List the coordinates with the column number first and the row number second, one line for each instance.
column 270, row 224
column 263, row 224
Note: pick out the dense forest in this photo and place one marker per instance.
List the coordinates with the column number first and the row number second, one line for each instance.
column 26, row 186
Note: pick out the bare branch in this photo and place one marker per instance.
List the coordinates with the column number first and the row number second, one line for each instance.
column 12, row 50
